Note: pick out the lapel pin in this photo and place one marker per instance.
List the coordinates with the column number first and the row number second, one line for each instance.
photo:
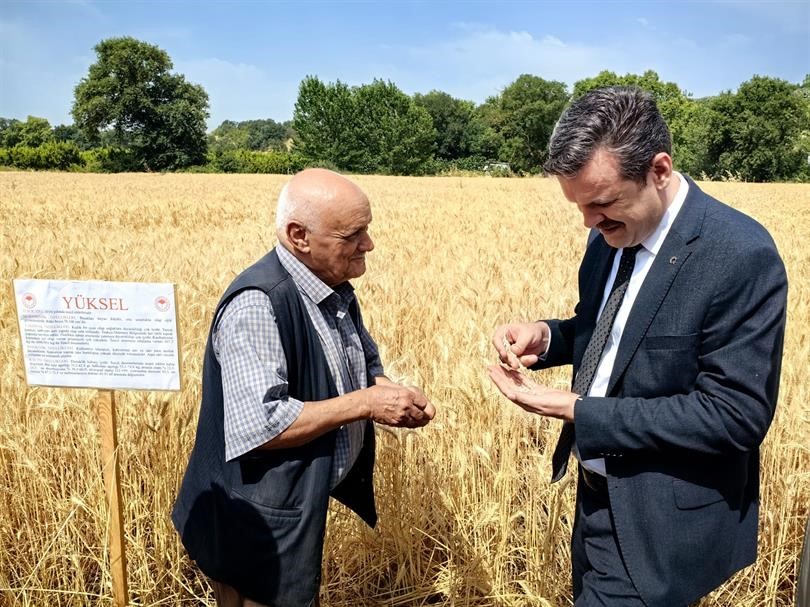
column 672, row 260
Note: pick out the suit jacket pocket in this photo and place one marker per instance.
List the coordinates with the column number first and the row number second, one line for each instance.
column 671, row 342
column 663, row 365
column 689, row 495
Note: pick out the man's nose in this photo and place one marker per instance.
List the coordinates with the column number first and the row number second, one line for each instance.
column 591, row 218
column 366, row 243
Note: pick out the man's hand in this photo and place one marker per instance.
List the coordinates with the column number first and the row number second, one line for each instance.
column 531, row 396
column 399, row 406
column 521, row 343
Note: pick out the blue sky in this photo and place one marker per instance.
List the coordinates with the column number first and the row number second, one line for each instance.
column 251, row 56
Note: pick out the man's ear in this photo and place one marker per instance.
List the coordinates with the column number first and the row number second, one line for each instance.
column 298, row 236
column 661, row 170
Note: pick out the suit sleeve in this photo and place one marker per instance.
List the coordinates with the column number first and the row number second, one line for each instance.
column 561, row 348
column 732, row 401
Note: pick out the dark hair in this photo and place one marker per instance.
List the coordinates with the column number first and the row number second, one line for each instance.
column 621, row 119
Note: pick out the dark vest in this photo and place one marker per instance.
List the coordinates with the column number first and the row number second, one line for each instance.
column 257, row 522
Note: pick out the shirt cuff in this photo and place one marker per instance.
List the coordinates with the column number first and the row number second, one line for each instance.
column 544, row 355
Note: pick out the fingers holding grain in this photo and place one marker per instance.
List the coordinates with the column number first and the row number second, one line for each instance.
column 400, row 406
column 520, row 344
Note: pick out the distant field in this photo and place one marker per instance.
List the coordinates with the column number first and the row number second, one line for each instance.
column 468, row 517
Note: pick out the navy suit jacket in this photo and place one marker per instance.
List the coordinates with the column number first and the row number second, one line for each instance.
column 691, row 396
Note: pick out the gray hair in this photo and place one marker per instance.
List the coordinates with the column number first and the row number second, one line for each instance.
column 623, row 120
column 293, row 209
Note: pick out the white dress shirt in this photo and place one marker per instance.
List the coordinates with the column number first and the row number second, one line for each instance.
column 644, row 260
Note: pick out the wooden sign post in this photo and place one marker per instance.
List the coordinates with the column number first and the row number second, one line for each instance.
column 108, row 336
column 105, row 412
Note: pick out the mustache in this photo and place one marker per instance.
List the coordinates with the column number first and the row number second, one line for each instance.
column 607, row 224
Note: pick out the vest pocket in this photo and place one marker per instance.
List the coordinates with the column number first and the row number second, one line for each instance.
column 266, row 510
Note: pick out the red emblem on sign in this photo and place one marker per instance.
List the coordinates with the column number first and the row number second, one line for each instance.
column 29, row 301
column 162, row 303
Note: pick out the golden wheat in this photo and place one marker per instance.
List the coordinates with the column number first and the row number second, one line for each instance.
column 468, row 517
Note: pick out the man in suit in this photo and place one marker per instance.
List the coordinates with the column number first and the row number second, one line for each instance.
column 676, row 347
column 292, row 383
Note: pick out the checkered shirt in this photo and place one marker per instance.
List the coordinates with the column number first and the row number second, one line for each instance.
column 248, row 347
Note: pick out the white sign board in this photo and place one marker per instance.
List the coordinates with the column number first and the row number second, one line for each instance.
column 97, row 334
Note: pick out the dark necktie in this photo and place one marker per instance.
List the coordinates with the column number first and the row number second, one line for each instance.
column 593, row 353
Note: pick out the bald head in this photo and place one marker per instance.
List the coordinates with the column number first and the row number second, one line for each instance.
column 312, row 195
column 322, row 219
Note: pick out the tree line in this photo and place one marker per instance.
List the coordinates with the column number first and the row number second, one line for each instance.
column 132, row 113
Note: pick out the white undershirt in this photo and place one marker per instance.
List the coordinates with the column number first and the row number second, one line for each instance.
column 644, row 260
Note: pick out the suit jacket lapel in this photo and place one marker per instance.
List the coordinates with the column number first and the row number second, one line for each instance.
column 675, row 250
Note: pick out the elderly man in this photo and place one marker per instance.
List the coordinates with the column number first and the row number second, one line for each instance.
column 292, row 382
column 676, row 345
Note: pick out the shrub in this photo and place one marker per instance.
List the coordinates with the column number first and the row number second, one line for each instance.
column 108, row 160
column 53, row 155
column 246, row 161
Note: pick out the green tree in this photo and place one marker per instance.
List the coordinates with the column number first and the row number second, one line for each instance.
column 324, row 120
column 371, row 128
column 258, row 135
column 803, row 138
column 395, row 136
column 754, row 133
column 664, row 92
column 692, row 138
column 158, row 116
column 265, row 135
column 70, row 133
column 453, row 119
column 228, row 136
column 34, row 132
column 484, row 131
column 523, row 115
column 9, row 132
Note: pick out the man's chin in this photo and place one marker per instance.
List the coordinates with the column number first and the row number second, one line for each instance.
column 616, row 238
column 357, row 268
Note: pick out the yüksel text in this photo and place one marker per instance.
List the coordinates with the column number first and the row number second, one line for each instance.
column 80, row 302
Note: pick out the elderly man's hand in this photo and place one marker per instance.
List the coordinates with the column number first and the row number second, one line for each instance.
column 401, row 406
column 531, row 396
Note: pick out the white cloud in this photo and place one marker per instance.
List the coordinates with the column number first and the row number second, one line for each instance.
column 643, row 21
column 482, row 60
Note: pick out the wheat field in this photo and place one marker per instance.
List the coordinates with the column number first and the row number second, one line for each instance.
column 467, row 514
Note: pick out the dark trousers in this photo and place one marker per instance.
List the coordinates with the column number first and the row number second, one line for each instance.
column 599, row 574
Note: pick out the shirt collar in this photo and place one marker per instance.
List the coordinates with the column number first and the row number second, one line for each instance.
column 309, row 284
column 654, row 241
